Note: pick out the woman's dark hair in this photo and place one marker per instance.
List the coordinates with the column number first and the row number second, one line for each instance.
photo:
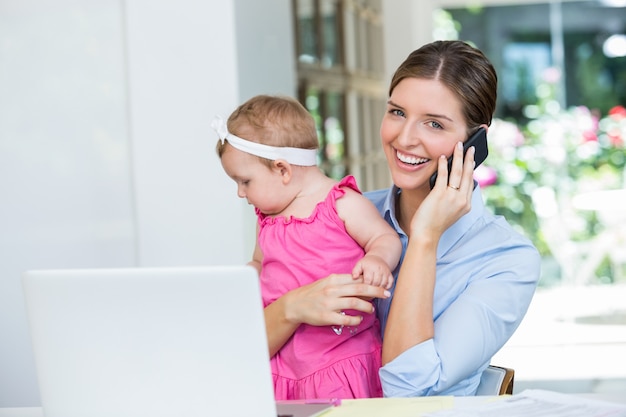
column 465, row 70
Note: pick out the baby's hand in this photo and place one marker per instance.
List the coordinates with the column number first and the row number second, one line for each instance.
column 374, row 270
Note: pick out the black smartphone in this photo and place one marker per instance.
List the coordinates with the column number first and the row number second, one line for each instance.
column 479, row 141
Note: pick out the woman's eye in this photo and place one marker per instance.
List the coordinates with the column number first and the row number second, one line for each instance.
column 435, row 125
column 396, row 112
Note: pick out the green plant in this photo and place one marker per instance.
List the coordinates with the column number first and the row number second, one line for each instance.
column 534, row 170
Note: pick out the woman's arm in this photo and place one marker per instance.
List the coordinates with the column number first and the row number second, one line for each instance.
column 494, row 287
column 410, row 320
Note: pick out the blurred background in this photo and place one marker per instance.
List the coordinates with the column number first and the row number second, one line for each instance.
column 107, row 158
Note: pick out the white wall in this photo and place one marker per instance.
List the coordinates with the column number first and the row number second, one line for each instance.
column 182, row 69
column 407, row 24
column 106, row 154
column 65, row 193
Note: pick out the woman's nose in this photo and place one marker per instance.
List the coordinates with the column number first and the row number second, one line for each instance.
column 408, row 135
column 240, row 192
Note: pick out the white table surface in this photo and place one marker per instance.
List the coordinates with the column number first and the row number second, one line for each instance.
column 458, row 401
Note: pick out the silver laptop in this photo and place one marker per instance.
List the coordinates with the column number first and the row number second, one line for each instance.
column 137, row 342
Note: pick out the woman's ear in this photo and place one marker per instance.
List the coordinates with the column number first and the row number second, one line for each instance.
column 486, row 127
column 284, row 168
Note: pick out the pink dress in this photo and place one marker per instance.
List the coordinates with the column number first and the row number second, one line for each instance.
column 316, row 362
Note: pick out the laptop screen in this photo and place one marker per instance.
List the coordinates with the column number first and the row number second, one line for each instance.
column 136, row 342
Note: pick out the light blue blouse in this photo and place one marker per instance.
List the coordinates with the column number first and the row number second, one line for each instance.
column 486, row 276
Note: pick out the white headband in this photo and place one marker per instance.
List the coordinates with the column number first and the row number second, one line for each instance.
column 295, row 156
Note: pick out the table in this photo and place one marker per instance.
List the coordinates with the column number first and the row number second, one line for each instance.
column 420, row 405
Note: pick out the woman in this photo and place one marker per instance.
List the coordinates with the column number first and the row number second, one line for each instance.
column 465, row 278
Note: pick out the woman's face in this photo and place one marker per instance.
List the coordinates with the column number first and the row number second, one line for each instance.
column 423, row 121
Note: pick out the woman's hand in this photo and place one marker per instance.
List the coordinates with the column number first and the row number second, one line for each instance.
column 451, row 197
column 319, row 304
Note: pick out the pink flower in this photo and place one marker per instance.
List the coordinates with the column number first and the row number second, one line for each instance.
column 552, row 75
column 485, row 176
column 589, row 136
column 618, row 112
column 615, row 138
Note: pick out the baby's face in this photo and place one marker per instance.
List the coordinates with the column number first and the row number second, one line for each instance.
column 259, row 184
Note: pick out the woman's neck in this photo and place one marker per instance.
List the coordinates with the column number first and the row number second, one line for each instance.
column 407, row 203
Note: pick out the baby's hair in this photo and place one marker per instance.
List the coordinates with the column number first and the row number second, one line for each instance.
column 273, row 120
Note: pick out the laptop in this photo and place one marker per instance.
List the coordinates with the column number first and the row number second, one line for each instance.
column 135, row 342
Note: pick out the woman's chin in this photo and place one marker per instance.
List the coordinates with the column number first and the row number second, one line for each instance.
column 408, row 180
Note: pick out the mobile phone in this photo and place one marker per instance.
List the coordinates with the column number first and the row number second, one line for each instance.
column 479, row 141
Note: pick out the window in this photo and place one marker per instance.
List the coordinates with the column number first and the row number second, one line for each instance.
column 580, row 38
column 341, row 82
column 559, row 130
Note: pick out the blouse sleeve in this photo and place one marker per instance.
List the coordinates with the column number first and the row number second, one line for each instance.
column 472, row 326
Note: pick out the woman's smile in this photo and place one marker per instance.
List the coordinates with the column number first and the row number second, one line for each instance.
column 410, row 159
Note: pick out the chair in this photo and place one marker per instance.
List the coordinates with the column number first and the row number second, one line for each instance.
column 496, row 380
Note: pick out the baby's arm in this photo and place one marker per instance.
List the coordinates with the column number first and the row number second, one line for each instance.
column 379, row 240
